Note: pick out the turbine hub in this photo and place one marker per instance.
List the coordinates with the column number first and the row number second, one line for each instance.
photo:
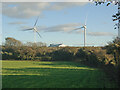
column 85, row 26
column 34, row 28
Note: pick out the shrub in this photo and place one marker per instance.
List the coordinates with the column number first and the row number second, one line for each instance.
column 81, row 54
column 87, row 57
column 63, row 54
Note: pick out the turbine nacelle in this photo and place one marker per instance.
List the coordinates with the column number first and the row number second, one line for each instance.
column 35, row 30
column 84, row 26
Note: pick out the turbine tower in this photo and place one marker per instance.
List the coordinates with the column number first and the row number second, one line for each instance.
column 34, row 30
column 84, row 27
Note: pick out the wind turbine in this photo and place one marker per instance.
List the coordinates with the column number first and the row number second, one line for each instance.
column 83, row 27
column 34, row 30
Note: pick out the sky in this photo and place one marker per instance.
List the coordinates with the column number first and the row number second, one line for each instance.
column 57, row 21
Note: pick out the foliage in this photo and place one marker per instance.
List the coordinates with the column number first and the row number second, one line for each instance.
column 87, row 57
column 81, row 54
column 12, row 42
column 116, row 17
column 38, row 44
column 62, row 54
column 114, row 48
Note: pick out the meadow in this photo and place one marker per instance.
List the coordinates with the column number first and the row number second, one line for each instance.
column 57, row 74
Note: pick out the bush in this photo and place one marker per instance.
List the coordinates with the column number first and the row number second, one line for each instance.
column 81, row 54
column 87, row 57
column 63, row 54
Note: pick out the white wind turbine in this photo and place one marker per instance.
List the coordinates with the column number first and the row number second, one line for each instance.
column 83, row 27
column 34, row 30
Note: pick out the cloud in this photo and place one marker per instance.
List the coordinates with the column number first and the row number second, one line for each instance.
column 60, row 28
column 28, row 10
column 100, row 34
column 16, row 23
column 69, row 28
column 63, row 5
column 45, row 1
column 23, row 10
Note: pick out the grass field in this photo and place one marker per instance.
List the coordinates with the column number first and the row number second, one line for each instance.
column 34, row 74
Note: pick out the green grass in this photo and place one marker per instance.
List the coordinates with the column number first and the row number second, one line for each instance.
column 34, row 74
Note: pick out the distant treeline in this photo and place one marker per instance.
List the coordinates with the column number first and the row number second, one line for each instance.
column 106, row 58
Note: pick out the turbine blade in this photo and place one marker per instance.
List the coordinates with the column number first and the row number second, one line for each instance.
column 38, row 34
column 36, row 21
column 27, row 29
column 78, row 28
column 86, row 18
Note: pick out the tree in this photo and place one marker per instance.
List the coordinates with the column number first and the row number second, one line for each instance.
column 62, row 54
column 116, row 17
column 12, row 42
column 38, row 44
column 114, row 48
column 26, row 53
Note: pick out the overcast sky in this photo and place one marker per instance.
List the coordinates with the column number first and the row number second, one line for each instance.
column 57, row 22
